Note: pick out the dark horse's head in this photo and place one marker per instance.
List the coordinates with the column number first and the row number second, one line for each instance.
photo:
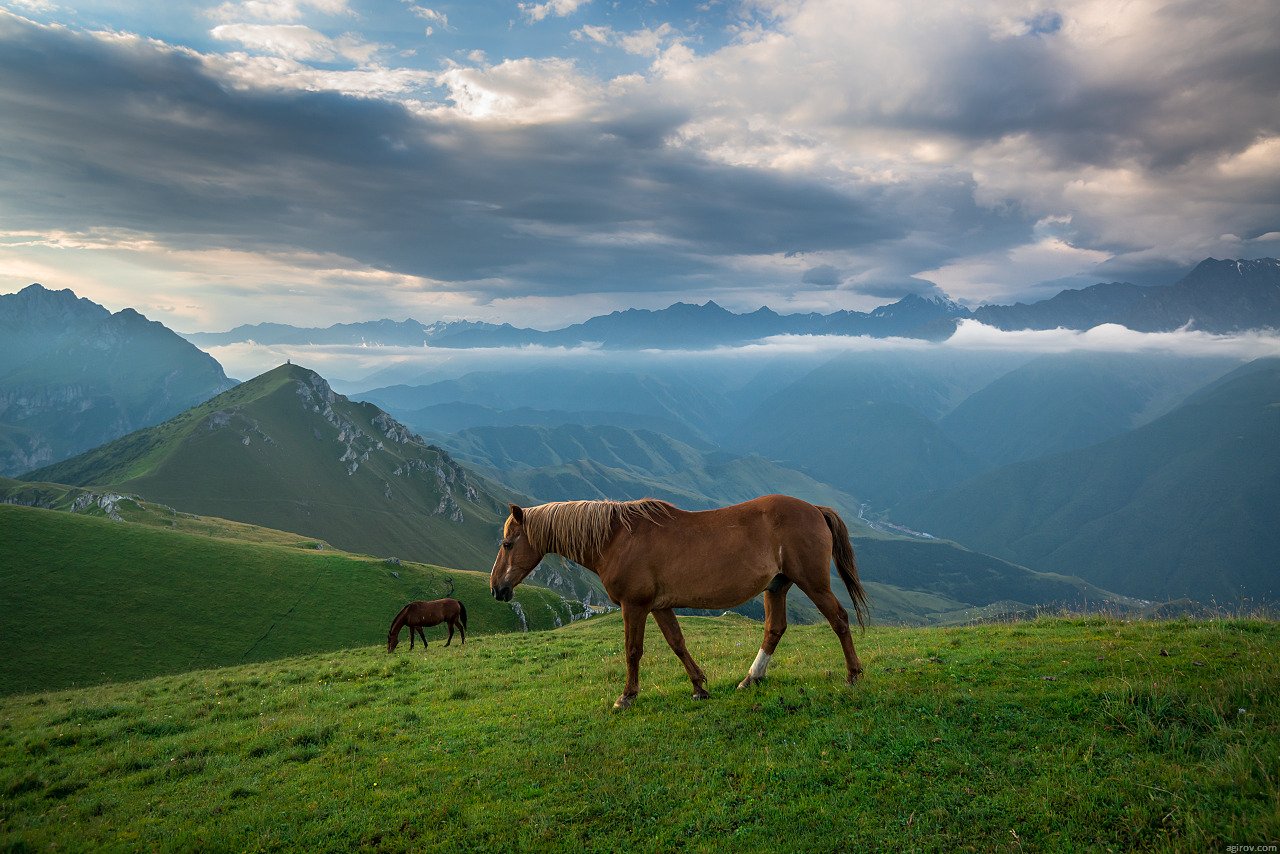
column 393, row 640
column 516, row 557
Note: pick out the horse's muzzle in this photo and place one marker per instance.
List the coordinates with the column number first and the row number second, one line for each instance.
column 503, row 593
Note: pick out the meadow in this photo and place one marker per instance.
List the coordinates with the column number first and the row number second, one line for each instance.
column 89, row 600
column 1054, row 734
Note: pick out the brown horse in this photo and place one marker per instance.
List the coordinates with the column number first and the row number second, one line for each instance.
column 653, row 557
column 418, row 614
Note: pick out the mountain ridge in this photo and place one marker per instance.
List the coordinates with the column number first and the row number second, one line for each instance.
column 285, row 451
column 74, row 375
column 1215, row 296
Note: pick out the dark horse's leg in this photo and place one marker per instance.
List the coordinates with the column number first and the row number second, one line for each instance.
column 666, row 620
column 462, row 630
column 411, row 638
column 838, row 617
column 633, row 620
column 422, row 635
column 449, row 640
column 775, row 623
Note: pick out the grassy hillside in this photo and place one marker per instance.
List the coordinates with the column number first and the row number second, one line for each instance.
column 285, row 452
column 1057, row 734
column 1186, row 506
column 89, row 600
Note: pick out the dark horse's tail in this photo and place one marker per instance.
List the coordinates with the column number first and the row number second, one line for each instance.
column 463, row 609
column 842, row 554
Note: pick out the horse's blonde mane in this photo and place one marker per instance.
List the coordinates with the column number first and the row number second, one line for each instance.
column 579, row 530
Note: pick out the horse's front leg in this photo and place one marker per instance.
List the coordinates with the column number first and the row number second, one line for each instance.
column 666, row 620
column 633, row 620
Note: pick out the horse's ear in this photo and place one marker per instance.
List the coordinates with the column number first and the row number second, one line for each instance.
column 517, row 514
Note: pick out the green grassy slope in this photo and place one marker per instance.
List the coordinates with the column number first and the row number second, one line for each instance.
column 1051, row 735
column 285, row 452
column 88, row 600
column 109, row 504
column 1186, row 506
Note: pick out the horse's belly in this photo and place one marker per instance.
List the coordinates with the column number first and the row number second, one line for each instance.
column 725, row 588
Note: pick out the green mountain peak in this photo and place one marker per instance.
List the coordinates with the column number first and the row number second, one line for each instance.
column 284, row 450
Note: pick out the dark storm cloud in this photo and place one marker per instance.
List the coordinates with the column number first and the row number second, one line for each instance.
column 126, row 133
column 823, row 275
column 1206, row 82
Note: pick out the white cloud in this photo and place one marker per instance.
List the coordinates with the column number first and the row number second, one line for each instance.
column 298, row 42
column 242, row 71
column 993, row 276
column 433, row 15
column 559, row 8
column 523, row 91
column 1112, row 338
column 642, row 42
column 35, row 6
column 277, row 10
column 216, row 288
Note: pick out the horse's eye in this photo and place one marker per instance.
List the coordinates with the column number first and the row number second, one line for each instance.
column 506, row 544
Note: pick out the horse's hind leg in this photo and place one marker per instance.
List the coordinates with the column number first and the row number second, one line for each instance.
column 838, row 617
column 775, row 624
column 450, row 638
column 666, row 620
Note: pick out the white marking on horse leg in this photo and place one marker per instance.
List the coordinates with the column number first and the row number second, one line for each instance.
column 760, row 665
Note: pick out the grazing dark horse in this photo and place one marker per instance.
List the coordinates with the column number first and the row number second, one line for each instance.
column 415, row 615
column 653, row 557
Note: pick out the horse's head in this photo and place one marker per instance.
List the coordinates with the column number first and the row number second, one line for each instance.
column 393, row 640
column 516, row 557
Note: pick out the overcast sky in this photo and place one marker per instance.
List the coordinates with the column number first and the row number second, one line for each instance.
column 316, row 161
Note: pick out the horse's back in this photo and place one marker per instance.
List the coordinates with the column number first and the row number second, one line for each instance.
column 717, row 558
column 434, row 611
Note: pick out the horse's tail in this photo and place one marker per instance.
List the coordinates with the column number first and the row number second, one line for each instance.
column 842, row 554
column 463, row 613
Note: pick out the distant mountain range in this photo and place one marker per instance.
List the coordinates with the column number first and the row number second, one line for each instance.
column 73, row 375
column 1217, row 296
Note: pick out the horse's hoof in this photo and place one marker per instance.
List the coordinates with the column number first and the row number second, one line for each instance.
column 623, row 702
column 853, row 679
column 749, row 681
column 701, row 694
